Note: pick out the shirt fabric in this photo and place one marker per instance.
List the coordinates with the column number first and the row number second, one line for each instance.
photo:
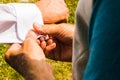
column 98, row 45
column 81, row 45
column 104, row 41
column 16, row 19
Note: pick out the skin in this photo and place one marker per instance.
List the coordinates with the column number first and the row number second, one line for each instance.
column 59, row 44
column 53, row 11
column 28, row 59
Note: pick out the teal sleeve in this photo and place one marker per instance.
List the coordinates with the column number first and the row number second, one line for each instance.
column 104, row 41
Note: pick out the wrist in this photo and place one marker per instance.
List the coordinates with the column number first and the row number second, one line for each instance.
column 53, row 11
column 39, row 70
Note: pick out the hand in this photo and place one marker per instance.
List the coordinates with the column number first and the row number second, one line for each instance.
column 53, row 11
column 60, row 47
column 29, row 60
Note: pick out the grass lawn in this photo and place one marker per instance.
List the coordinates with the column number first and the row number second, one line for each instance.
column 62, row 70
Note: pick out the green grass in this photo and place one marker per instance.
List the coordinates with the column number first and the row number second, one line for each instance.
column 62, row 70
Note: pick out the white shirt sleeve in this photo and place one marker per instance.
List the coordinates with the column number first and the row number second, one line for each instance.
column 16, row 19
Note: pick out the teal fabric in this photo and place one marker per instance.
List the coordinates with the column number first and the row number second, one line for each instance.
column 104, row 41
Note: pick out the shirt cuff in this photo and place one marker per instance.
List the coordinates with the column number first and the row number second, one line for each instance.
column 26, row 15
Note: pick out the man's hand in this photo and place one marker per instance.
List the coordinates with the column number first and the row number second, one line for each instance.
column 29, row 60
column 53, row 11
column 59, row 45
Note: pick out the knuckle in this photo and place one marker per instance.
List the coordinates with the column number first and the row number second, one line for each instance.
column 6, row 56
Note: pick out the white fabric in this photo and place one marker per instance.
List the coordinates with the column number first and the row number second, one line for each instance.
column 16, row 19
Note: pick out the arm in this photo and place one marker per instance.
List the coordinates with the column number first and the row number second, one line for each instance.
column 104, row 37
column 80, row 43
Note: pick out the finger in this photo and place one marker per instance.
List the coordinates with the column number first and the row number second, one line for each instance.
column 13, row 50
column 50, row 29
column 49, row 48
column 43, row 45
column 30, row 41
column 29, row 44
column 15, row 47
column 50, row 41
column 42, row 39
column 32, row 49
column 37, row 28
column 38, row 41
column 31, row 34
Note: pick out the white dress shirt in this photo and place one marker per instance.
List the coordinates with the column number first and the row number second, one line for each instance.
column 16, row 19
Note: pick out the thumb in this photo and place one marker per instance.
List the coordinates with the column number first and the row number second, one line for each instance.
column 31, row 34
column 50, row 29
column 32, row 48
column 31, row 40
